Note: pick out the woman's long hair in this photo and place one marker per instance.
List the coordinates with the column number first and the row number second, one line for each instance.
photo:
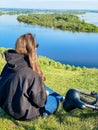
column 26, row 44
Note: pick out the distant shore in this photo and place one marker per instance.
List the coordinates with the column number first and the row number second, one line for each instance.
column 44, row 10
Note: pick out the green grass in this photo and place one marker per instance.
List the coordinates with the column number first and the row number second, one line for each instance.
column 60, row 78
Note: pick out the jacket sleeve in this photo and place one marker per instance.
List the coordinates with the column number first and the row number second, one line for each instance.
column 37, row 93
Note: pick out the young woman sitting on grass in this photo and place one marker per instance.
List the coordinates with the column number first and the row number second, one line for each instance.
column 23, row 94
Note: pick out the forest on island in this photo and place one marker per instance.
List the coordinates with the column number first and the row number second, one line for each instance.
column 62, row 21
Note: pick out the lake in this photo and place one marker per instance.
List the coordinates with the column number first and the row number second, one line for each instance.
column 79, row 49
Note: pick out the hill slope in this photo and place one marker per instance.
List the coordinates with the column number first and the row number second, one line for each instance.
column 60, row 78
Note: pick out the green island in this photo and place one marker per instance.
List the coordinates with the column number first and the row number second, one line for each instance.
column 62, row 21
column 60, row 78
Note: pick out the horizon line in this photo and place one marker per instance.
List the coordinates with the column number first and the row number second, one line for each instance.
column 48, row 9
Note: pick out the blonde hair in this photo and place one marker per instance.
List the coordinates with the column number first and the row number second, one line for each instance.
column 26, row 44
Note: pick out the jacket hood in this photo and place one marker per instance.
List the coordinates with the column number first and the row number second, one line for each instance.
column 15, row 60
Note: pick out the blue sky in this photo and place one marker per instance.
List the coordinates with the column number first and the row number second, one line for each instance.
column 50, row 4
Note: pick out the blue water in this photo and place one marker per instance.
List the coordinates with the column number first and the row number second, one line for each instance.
column 79, row 49
column 90, row 17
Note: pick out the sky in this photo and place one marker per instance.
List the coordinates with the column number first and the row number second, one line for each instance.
column 50, row 4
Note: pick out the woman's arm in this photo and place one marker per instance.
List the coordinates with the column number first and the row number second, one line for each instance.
column 37, row 93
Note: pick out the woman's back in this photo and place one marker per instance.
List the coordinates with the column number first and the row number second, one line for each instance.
column 17, row 84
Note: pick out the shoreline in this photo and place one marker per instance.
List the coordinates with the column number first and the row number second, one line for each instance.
column 52, row 62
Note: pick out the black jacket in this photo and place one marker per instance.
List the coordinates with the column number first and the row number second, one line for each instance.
column 22, row 92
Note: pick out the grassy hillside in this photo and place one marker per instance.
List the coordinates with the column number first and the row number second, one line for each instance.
column 2, row 61
column 60, row 78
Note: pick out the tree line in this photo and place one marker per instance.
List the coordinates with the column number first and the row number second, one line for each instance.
column 62, row 21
